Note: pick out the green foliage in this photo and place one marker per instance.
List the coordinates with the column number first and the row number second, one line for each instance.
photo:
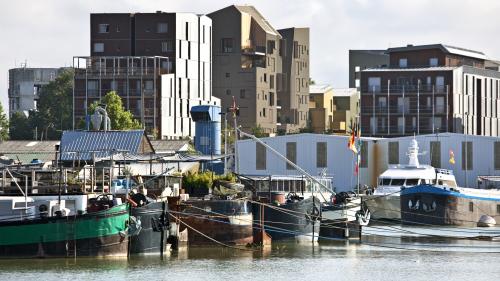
column 121, row 119
column 54, row 111
column 20, row 127
column 259, row 132
column 55, row 107
column 204, row 179
column 4, row 125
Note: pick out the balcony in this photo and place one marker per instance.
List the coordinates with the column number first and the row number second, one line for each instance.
column 422, row 88
column 253, row 50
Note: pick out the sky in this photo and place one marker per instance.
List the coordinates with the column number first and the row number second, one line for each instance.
column 49, row 33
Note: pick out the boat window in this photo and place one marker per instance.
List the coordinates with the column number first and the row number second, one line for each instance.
column 385, row 182
column 398, row 182
column 411, row 182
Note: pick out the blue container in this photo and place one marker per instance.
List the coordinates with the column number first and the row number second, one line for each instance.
column 207, row 138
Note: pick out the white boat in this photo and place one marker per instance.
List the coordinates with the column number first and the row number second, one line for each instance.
column 384, row 203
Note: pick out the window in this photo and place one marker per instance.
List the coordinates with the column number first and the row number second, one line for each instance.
column 271, row 81
column 374, row 84
column 114, row 85
column 228, row 92
column 496, row 152
column 435, row 151
column 98, row 47
column 227, row 75
column 295, row 49
column 382, row 101
column 398, row 182
column 103, row 28
column 227, row 45
column 92, row 88
column 242, row 93
column 498, row 209
column 187, row 31
column 433, row 62
column 471, row 207
column 148, row 85
column 364, row 155
column 321, row 155
column 260, row 156
column 411, row 182
column 271, row 45
column 393, row 152
column 167, row 46
column 162, row 27
column 291, row 154
column 385, row 181
column 467, row 155
column 403, row 63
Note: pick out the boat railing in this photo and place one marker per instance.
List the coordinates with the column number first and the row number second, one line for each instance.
column 444, row 171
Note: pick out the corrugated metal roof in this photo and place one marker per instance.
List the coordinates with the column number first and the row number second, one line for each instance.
column 27, row 146
column 82, row 144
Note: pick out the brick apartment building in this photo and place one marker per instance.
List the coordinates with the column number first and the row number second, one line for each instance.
column 430, row 89
column 159, row 63
column 266, row 70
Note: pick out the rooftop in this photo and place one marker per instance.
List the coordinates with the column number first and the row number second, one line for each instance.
column 258, row 17
column 319, row 89
column 434, row 68
column 445, row 48
column 344, row 92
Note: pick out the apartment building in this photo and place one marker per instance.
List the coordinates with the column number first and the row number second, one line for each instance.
column 332, row 110
column 159, row 63
column 429, row 89
column 259, row 66
column 321, row 108
column 363, row 59
column 293, row 96
column 24, row 87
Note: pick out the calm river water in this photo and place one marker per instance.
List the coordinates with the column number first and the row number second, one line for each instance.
column 382, row 256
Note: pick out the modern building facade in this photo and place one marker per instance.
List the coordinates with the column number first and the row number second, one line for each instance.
column 429, row 89
column 25, row 85
column 328, row 155
column 363, row 59
column 332, row 110
column 259, row 67
column 321, row 108
column 293, row 96
column 159, row 63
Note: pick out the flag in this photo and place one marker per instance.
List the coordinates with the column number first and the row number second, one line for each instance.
column 352, row 142
column 352, row 139
column 452, row 157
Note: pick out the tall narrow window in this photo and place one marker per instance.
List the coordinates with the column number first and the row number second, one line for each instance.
column 393, row 152
column 291, row 154
column 260, row 156
column 435, row 151
column 321, row 155
column 496, row 152
column 467, row 155
column 364, row 155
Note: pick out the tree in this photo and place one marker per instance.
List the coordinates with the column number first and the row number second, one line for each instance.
column 20, row 127
column 121, row 119
column 4, row 125
column 55, row 107
column 311, row 81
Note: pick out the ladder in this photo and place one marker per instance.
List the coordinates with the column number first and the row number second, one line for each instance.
column 70, row 237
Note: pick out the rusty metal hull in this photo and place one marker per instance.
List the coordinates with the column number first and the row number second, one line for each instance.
column 211, row 222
